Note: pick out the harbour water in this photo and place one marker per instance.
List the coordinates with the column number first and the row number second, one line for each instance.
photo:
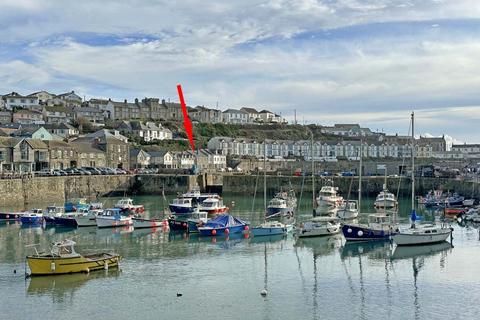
column 219, row 278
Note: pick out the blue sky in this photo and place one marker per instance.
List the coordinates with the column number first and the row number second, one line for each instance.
column 370, row 61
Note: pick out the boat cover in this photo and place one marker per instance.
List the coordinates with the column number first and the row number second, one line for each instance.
column 224, row 221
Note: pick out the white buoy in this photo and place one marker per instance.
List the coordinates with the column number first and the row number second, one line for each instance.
column 263, row 293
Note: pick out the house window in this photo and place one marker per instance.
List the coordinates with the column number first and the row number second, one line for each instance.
column 24, row 151
column 2, row 156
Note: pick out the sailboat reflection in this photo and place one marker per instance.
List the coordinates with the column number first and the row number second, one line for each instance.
column 418, row 255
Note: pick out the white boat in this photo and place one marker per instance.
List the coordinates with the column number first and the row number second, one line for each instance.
column 328, row 199
column 270, row 228
column 407, row 252
column 319, row 226
column 126, row 204
column 213, row 206
column 87, row 218
column 468, row 202
column 385, row 199
column 348, row 210
column 112, row 218
column 423, row 234
column 139, row 223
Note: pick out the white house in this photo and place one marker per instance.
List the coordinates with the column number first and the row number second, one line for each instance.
column 14, row 99
column 161, row 159
column 234, row 116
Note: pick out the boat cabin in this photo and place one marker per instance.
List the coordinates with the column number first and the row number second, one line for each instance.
column 277, row 202
column 182, row 201
column 54, row 210
column 64, row 249
column 212, row 203
column 111, row 212
column 125, row 202
column 328, row 191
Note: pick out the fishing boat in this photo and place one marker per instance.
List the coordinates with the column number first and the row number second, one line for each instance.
column 468, row 202
column 385, row 199
column 283, row 203
column 126, row 205
column 327, row 198
column 432, row 199
column 113, row 218
column 270, row 228
column 139, row 223
column 454, row 200
column 188, row 223
column 348, row 210
column 87, row 219
column 63, row 259
column 213, row 206
column 34, row 217
column 197, row 196
column 453, row 212
column 69, row 219
column 423, row 234
column 318, row 226
column 181, row 205
column 223, row 225
column 51, row 212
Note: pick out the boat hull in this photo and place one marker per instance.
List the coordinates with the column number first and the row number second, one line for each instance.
column 385, row 204
column 146, row 223
column 270, row 231
column 207, row 231
column 112, row 223
column 177, row 224
column 85, row 221
column 32, row 220
column 347, row 214
column 279, row 211
column 180, row 209
column 361, row 233
column 318, row 232
column 66, row 222
column 420, row 239
column 52, row 266
column 10, row 215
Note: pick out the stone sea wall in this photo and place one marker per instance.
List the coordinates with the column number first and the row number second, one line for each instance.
column 24, row 193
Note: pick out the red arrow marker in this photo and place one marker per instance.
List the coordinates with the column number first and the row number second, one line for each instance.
column 186, row 120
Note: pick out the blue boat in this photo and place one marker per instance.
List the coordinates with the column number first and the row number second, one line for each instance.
column 270, row 229
column 35, row 217
column 76, row 205
column 223, row 225
column 66, row 221
column 181, row 206
column 378, row 228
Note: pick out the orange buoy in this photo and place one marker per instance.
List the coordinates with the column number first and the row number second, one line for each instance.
column 214, row 232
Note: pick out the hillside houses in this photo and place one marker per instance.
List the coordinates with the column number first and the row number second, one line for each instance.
column 150, row 131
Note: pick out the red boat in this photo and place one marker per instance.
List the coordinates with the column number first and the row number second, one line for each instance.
column 454, row 211
column 213, row 206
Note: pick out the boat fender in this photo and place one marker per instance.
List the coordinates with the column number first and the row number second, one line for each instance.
column 52, row 266
column 246, row 228
column 349, row 230
column 214, row 232
column 105, row 265
column 227, row 231
column 263, row 293
column 360, row 233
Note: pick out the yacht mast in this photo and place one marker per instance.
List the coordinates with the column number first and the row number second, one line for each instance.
column 313, row 175
column 265, row 176
column 413, row 163
column 360, row 178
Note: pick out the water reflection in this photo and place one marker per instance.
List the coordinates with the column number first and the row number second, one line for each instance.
column 62, row 288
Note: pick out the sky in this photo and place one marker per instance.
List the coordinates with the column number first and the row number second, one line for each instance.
column 348, row 61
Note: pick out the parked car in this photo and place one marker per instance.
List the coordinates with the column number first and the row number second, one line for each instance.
column 92, row 170
column 348, row 174
column 44, row 173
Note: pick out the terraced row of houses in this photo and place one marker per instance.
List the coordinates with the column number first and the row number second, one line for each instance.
column 381, row 147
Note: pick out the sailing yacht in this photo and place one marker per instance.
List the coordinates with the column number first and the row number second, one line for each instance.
column 423, row 234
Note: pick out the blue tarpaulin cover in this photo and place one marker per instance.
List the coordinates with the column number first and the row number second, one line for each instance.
column 224, row 221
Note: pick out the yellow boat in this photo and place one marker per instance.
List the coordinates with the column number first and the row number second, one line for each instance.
column 63, row 259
